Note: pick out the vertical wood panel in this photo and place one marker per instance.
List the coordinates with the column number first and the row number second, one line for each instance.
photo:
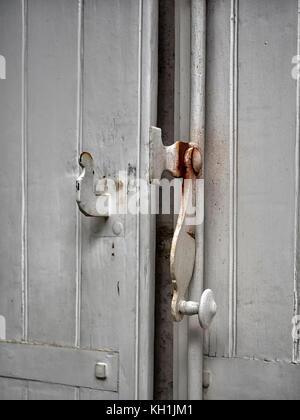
column 296, row 344
column 244, row 379
column 38, row 391
column 80, row 68
column 110, row 133
column 266, row 202
column 119, row 100
column 217, row 170
column 11, row 169
column 250, row 198
column 86, row 82
column 13, row 389
column 52, row 167
column 90, row 394
column 267, row 106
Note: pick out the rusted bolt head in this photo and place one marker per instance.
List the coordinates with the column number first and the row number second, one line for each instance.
column 197, row 160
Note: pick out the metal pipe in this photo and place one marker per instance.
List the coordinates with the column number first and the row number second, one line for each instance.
column 197, row 136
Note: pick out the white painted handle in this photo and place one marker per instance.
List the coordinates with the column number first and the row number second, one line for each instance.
column 206, row 309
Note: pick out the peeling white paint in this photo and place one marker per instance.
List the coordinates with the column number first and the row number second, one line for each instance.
column 2, row 328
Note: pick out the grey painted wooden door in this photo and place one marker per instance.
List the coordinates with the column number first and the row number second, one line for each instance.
column 80, row 75
column 252, row 198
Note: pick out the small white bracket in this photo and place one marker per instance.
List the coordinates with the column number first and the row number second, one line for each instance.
column 101, row 371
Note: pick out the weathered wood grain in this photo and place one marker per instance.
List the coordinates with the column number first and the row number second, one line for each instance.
column 117, row 273
column 266, row 178
column 89, row 81
column 11, row 163
column 13, row 389
column 250, row 198
column 58, row 365
column 217, row 172
column 244, row 379
column 52, row 158
column 110, row 130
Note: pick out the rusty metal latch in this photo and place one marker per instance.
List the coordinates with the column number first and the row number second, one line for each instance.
column 182, row 160
column 90, row 203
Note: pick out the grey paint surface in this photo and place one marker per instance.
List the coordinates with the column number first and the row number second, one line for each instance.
column 217, row 169
column 11, row 169
column 80, row 75
column 59, row 365
column 246, row 379
column 266, row 178
column 50, row 133
column 250, row 198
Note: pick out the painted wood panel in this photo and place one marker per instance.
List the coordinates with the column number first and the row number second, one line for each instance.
column 14, row 389
column 39, row 391
column 110, row 133
column 116, row 120
column 251, row 129
column 266, row 178
column 92, row 395
column 52, row 166
column 217, row 171
column 252, row 135
column 11, row 170
column 86, row 84
column 244, row 379
column 59, row 365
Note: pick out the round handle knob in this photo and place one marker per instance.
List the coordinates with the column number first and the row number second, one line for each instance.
column 207, row 309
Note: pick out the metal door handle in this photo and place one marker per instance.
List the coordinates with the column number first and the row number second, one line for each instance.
column 182, row 160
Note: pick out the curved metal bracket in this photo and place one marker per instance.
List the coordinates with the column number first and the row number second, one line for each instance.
column 183, row 250
column 90, row 203
column 182, row 160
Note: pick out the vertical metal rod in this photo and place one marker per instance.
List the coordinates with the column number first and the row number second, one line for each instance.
column 233, row 178
column 24, row 170
column 138, row 171
column 182, row 132
column 197, row 135
column 80, row 57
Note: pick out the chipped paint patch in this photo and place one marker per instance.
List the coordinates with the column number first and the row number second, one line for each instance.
column 2, row 328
